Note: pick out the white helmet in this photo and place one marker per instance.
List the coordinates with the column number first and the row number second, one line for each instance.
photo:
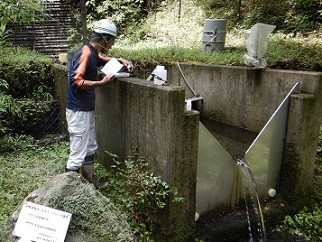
column 105, row 26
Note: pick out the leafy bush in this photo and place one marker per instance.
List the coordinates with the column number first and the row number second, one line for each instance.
column 304, row 16
column 306, row 223
column 138, row 193
column 27, row 79
column 221, row 9
column 26, row 88
column 319, row 148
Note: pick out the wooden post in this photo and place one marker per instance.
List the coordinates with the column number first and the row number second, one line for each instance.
column 179, row 10
column 83, row 19
column 155, row 9
column 238, row 11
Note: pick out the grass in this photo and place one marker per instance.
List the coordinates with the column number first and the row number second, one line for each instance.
column 164, row 39
column 25, row 168
column 13, row 54
column 282, row 53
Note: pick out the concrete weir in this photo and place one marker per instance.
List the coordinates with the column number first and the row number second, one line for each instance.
column 248, row 97
column 135, row 114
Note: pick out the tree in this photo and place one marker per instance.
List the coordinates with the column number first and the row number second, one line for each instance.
column 288, row 15
column 18, row 12
column 267, row 12
column 125, row 13
column 305, row 15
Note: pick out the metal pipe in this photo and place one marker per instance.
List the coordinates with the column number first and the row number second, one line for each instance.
column 186, row 81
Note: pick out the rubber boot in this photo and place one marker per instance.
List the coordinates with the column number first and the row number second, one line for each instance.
column 87, row 171
column 68, row 170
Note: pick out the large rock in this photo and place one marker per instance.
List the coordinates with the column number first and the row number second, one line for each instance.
column 94, row 217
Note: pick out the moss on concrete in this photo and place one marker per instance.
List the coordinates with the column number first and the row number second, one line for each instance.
column 60, row 93
column 291, row 184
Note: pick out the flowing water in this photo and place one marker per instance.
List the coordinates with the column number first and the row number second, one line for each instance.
column 256, row 225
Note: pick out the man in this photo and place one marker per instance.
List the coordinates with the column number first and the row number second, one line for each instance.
column 81, row 98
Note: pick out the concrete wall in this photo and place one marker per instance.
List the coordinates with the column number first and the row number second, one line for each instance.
column 300, row 147
column 134, row 114
column 60, row 93
column 242, row 97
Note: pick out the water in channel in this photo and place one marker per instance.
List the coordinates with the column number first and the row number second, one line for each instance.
column 235, row 140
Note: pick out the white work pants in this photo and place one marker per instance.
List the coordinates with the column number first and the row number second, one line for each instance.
column 81, row 128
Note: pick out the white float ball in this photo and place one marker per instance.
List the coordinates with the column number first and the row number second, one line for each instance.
column 196, row 216
column 271, row 192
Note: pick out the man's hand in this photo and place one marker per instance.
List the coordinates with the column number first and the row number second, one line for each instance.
column 128, row 64
column 107, row 79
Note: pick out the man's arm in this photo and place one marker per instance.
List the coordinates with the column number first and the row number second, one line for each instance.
column 93, row 84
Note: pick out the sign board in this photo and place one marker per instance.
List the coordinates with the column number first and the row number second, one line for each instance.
column 41, row 224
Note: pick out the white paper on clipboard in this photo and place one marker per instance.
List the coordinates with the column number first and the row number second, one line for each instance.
column 112, row 67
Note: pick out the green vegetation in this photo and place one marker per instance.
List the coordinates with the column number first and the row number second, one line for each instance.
column 162, row 36
column 135, row 190
column 17, row 12
column 28, row 165
column 306, row 223
column 296, row 54
column 290, row 16
column 138, row 193
column 151, row 32
column 124, row 13
column 25, row 92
